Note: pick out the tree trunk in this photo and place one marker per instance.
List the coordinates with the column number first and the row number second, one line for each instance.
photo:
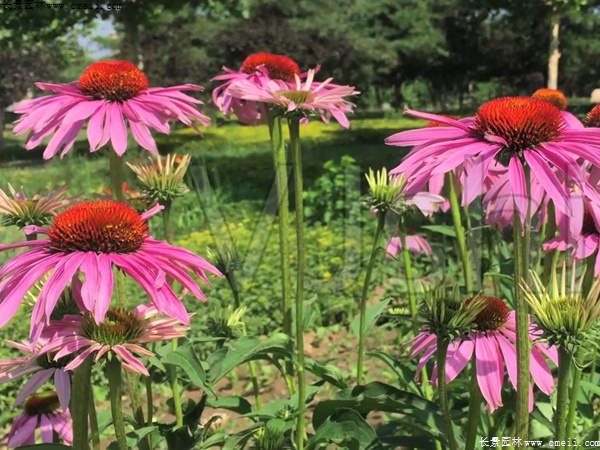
column 554, row 53
column 130, row 46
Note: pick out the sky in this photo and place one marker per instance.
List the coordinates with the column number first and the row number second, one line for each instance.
column 102, row 28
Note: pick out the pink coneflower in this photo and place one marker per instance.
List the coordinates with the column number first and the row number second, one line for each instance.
column 593, row 117
column 111, row 94
column 43, row 412
column 257, row 69
column 493, row 347
column 306, row 99
column 512, row 132
column 22, row 210
column 415, row 243
column 42, row 367
column 122, row 332
column 91, row 237
column 558, row 99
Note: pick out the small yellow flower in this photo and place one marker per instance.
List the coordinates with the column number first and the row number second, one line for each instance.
column 327, row 276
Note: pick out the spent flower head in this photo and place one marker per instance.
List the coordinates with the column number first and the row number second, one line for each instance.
column 162, row 179
column 20, row 210
column 225, row 258
column 562, row 314
column 271, row 436
column 447, row 316
column 227, row 323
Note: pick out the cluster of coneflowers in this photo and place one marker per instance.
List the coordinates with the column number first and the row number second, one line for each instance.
column 79, row 250
column 525, row 157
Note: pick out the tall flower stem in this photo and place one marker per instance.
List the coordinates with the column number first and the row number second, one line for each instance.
column 565, row 361
column 521, row 249
column 281, row 182
column 365, row 294
column 577, row 372
column 115, row 382
column 94, row 422
column 172, row 370
column 149, row 407
column 549, row 232
column 294, row 126
column 79, row 409
column 116, row 175
column 475, row 398
column 442, row 351
column 460, row 234
column 412, row 301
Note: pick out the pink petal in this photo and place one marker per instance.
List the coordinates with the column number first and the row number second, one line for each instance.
column 62, row 381
column 33, row 384
column 490, row 372
column 118, row 131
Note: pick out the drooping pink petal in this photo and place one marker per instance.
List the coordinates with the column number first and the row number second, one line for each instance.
column 490, row 371
column 62, row 382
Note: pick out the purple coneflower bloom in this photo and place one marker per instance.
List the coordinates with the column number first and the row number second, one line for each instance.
column 493, row 347
column 90, row 238
column 257, row 69
column 111, row 94
column 121, row 333
column 43, row 412
column 42, row 367
column 322, row 98
column 513, row 132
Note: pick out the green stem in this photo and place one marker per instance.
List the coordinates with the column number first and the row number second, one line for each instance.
column 442, row 350
column 521, row 250
column 475, row 398
column 230, row 275
column 175, row 389
column 565, row 360
column 281, row 179
column 116, row 175
column 577, row 372
column 294, row 127
column 79, row 409
column 133, row 380
column 363, row 299
column 115, row 382
column 412, row 301
column 94, row 422
column 172, row 370
column 149, row 407
column 410, row 281
column 166, row 218
column 549, row 233
column 460, row 235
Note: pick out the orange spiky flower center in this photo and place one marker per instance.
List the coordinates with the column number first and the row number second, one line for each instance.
column 593, row 117
column 553, row 96
column 113, row 81
column 280, row 67
column 46, row 403
column 522, row 122
column 103, row 226
column 493, row 315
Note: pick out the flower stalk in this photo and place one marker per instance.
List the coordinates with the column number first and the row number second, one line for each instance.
column 460, row 234
column 365, row 293
column 565, row 361
column 294, row 127
column 79, row 409
column 116, row 175
column 281, row 181
column 473, row 418
column 115, row 382
column 95, row 432
column 442, row 351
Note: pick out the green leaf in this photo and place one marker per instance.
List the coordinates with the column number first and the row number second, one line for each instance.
column 378, row 396
column 233, row 403
column 134, row 437
column 186, row 359
column 346, row 428
column 372, row 314
column 446, row 230
column 326, row 372
column 244, row 349
column 404, row 372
